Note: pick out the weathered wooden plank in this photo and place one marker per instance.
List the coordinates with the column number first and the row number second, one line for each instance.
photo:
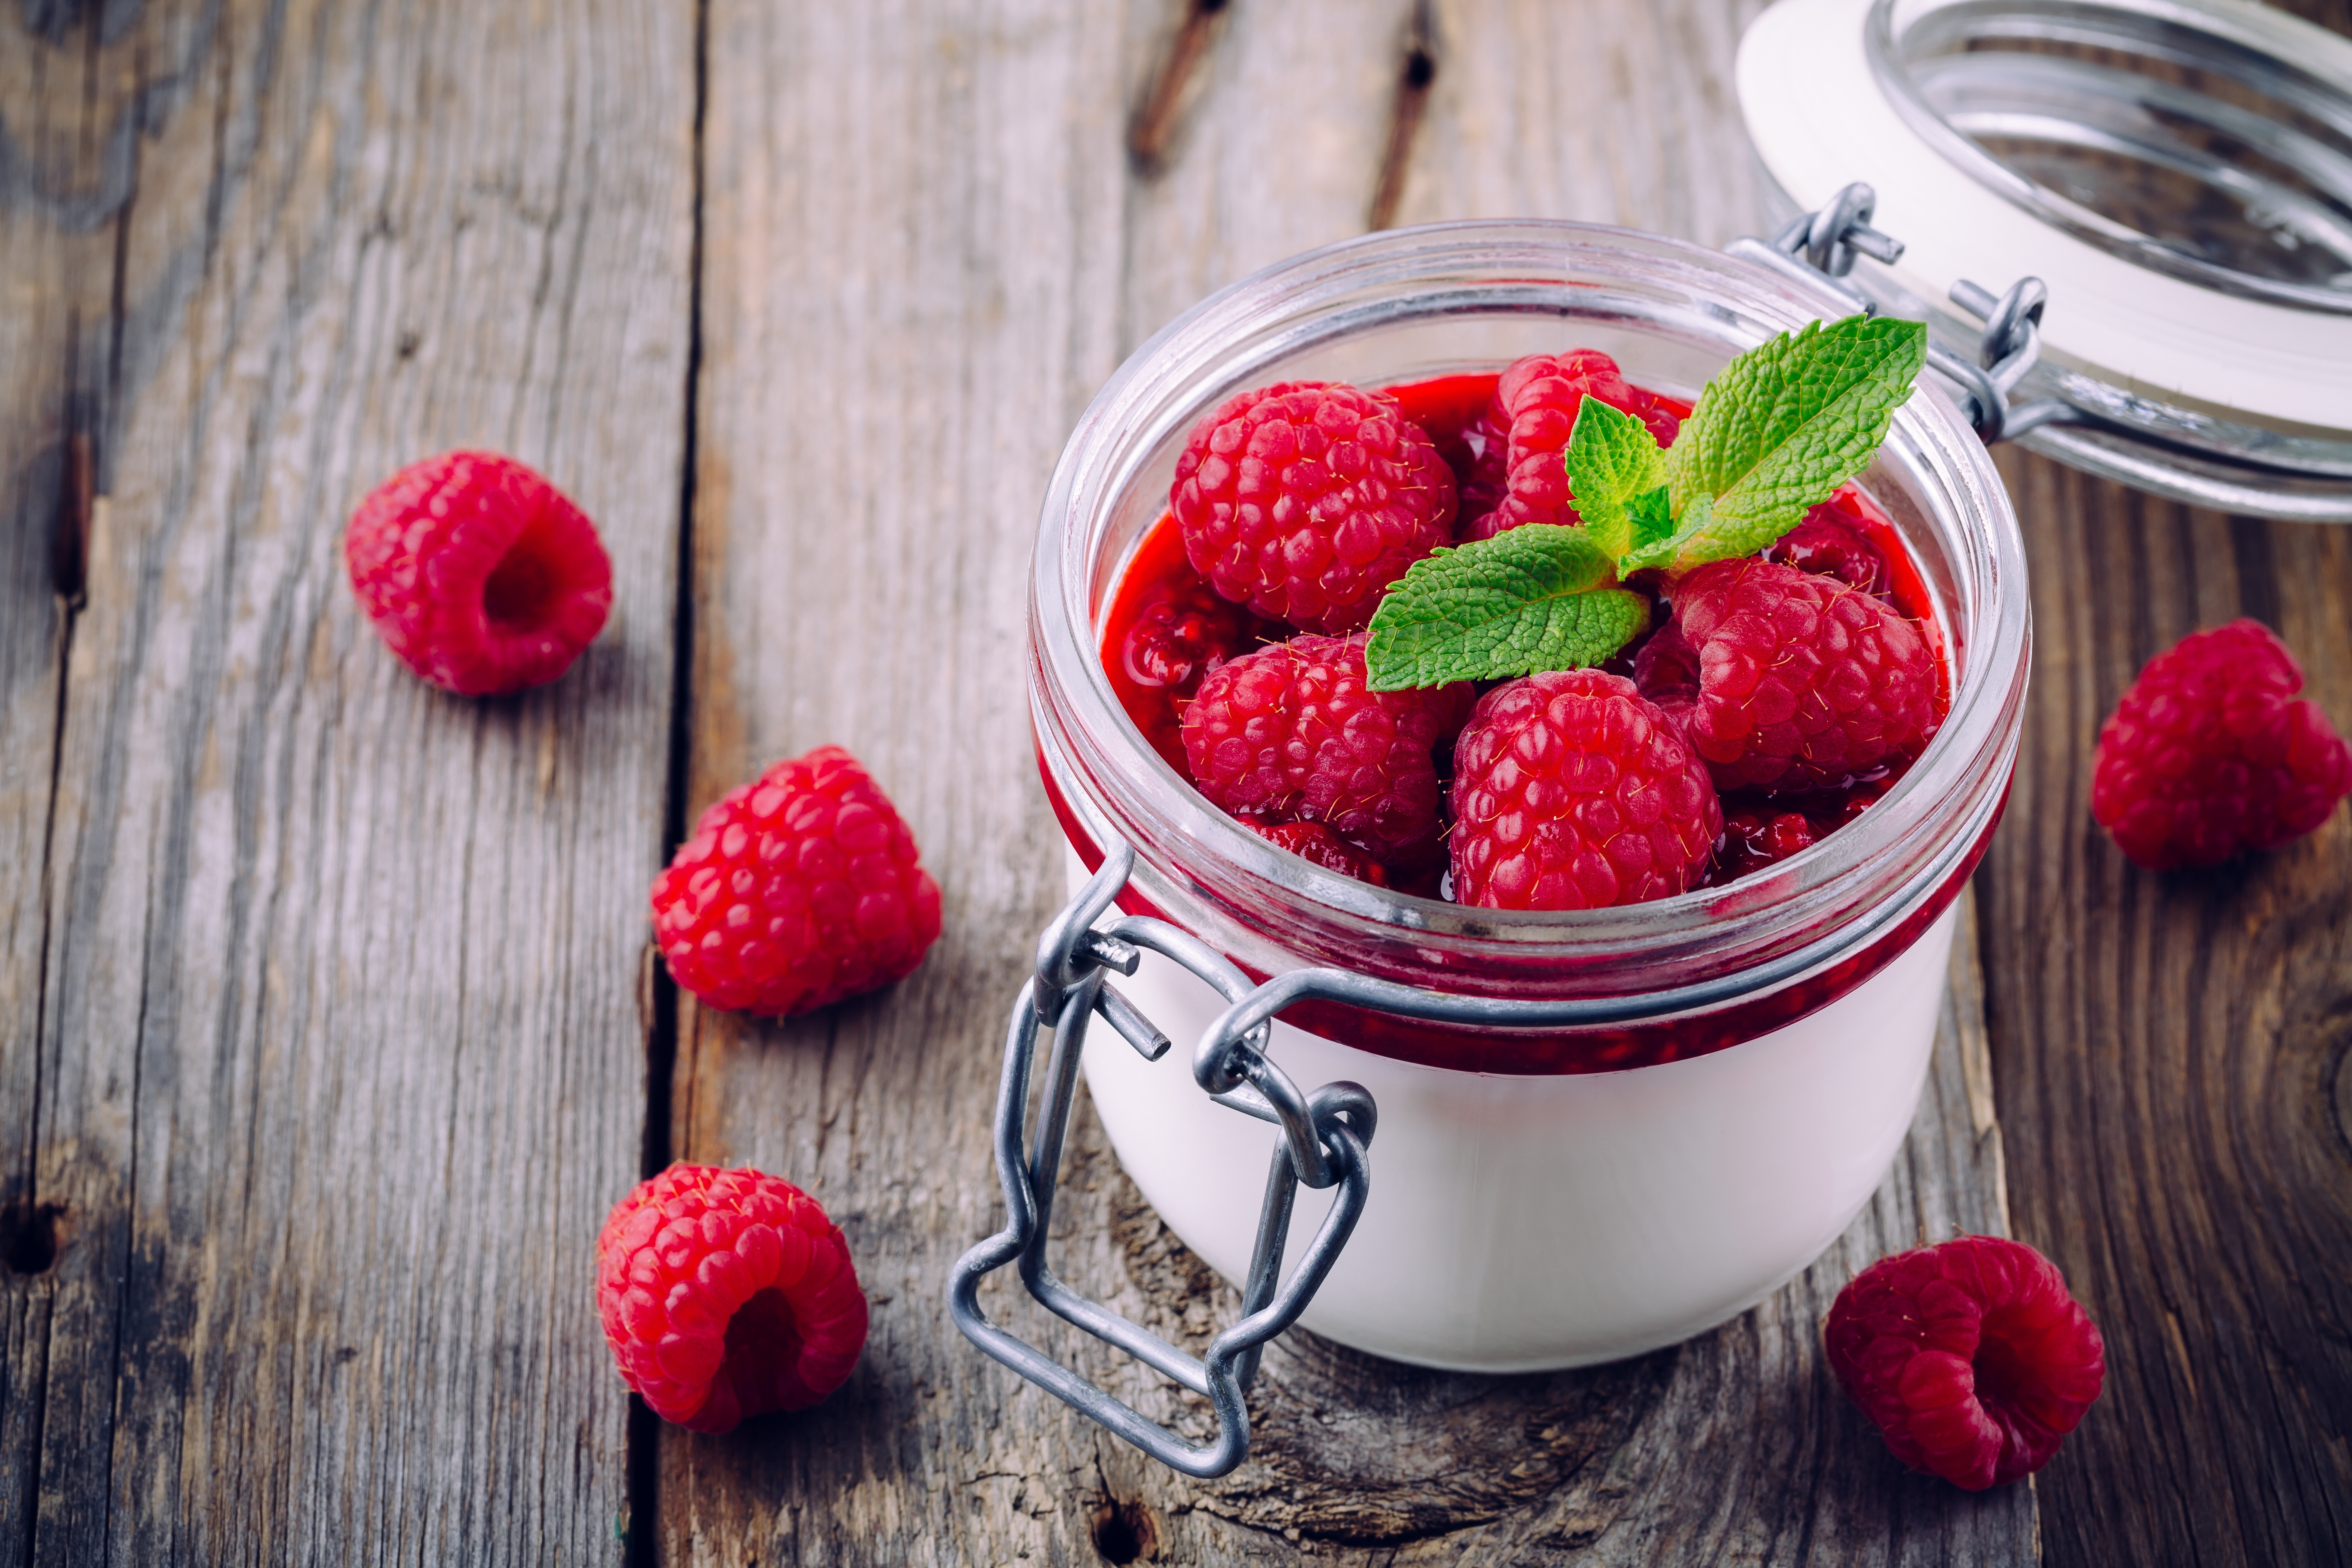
column 1605, row 111
column 338, row 1049
column 911, row 247
column 1616, row 113
column 1279, row 151
column 2171, row 1052
column 56, row 241
column 842, row 593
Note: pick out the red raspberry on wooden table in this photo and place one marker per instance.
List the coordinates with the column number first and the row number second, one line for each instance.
column 797, row 890
column 1306, row 499
column 1786, row 680
column 478, row 572
column 726, row 1294
column 1970, row 1358
column 1535, row 406
column 2211, row 754
column 1289, row 734
column 1571, row 791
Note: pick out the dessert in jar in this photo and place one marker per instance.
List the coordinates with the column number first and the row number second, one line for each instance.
column 1727, row 1066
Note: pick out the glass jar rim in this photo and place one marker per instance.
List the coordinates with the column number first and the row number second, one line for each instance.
column 1207, row 870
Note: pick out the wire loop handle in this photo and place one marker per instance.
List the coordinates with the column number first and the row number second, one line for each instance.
column 1323, row 1137
column 1830, row 238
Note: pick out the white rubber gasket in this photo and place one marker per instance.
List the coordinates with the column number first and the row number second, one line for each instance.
column 1819, row 121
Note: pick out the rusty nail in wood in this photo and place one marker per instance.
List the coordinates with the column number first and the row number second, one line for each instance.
column 1418, row 70
column 1154, row 125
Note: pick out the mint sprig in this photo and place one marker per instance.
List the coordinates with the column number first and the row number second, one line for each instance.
column 1611, row 459
column 1539, row 597
column 1655, row 534
column 1784, row 425
column 1774, row 433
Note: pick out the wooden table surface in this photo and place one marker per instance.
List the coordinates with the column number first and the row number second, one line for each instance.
column 328, row 1021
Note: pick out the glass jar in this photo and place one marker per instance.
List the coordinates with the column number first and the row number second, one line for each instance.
column 1722, row 1078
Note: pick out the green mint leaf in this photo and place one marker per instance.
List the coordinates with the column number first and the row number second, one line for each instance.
column 1651, row 518
column 1662, row 539
column 1784, row 425
column 1611, row 458
column 1539, row 597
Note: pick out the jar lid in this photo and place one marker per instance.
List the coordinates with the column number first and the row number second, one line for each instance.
column 2178, row 171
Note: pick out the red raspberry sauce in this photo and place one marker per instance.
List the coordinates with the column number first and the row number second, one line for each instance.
column 1444, row 407
column 1168, row 629
column 1166, row 621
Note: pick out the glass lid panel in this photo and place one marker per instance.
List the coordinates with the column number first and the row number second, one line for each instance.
column 2179, row 136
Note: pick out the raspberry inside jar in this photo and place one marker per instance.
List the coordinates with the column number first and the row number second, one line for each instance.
column 1168, row 629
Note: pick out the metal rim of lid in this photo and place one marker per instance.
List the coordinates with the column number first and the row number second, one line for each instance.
column 2252, row 372
column 2295, row 68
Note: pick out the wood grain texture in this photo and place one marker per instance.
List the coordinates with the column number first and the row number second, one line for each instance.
column 1618, row 111
column 911, row 262
column 921, row 220
column 335, row 1049
column 2172, row 1052
column 59, row 196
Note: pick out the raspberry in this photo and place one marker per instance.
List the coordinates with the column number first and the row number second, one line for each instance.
column 2211, row 754
column 1970, row 1358
column 1482, row 489
column 1313, row 841
column 1446, row 410
column 1760, row 831
column 1183, row 632
column 1756, row 837
column 1858, row 798
column 1665, row 666
column 1289, row 734
column 1573, row 792
column 1830, row 543
column 727, row 1294
column 1785, row 681
column 1536, row 403
column 797, row 890
column 1304, row 500
column 479, row 573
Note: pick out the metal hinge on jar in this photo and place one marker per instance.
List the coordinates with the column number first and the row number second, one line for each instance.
column 1322, row 1144
column 1820, row 248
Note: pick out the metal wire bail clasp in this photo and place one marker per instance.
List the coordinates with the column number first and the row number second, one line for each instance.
column 1829, row 239
column 1322, row 1144
column 1825, row 244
